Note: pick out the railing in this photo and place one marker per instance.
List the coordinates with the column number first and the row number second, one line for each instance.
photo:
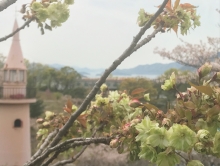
column 17, row 93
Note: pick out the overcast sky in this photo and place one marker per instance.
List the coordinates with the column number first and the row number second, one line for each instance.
column 98, row 31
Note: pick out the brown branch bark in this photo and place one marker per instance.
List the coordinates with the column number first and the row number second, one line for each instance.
column 17, row 30
column 148, row 38
column 64, row 144
column 44, row 145
column 115, row 64
column 60, row 148
column 97, row 86
column 142, row 43
column 73, row 159
column 4, row 4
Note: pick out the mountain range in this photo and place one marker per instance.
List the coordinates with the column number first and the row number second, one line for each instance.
column 148, row 70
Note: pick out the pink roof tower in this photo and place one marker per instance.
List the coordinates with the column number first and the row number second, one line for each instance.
column 14, row 108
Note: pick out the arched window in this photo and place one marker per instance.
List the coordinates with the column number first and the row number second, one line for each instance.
column 17, row 123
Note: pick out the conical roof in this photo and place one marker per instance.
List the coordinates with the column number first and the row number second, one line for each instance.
column 15, row 58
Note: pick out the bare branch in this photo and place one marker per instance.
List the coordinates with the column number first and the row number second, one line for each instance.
column 195, row 55
column 102, row 79
column 60, row 148
column 17, row 30
column 148, row 38
column 64, row 146
column 45, row 144
column 5, row 4
column 96, row 88
column 50, row 160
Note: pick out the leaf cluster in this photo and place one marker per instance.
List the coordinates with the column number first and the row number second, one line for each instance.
column 47, row 13
column 175, row 16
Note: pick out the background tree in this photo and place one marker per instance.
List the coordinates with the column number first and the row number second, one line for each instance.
column 115, row 109
column 195, row 55
column 130, row 84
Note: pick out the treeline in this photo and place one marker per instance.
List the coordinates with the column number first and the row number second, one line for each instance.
column 63, row 80
column 158, row 97
column 42, row 77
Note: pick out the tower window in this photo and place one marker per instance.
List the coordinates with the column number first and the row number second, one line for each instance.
column 17, row 123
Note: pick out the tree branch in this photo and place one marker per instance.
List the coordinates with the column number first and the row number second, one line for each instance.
column 6, row 3
column 71, row 160
column 72, row 144
column 148, row 38
column 63, row 145
column 102, row 79
column 194, row 55
column 45, row 144
column 17, row 30
column 97, row 86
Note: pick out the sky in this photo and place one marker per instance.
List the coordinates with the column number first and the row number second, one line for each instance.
column 98, row 31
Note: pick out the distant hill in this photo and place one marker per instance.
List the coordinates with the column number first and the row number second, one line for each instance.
column 152, row 69
column 155, row 69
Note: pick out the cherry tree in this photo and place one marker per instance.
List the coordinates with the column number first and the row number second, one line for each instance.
column 195, row 55
column 121, row 120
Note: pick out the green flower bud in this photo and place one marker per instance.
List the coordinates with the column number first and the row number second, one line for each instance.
column 104, row 87
column 101, row 101
column 46, row 124
column 147, row 97
column 74, row 108
column 35, row 6
column 143, row 17
column 49, row 115
column 169, row 84
column 204, row 136
column 40, row 120
column 114, row 143
column 204, row 70
column 58, row 13
column 135, row 121
column 41, row 132
column 42, row 14
column 200, row 147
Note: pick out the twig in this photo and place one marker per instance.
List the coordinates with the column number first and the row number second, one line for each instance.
column 17, row 30
column 98, row 84
column 148, row 38
column 45, row 144
column 102, row 79
column 68, row 142
column 59, row 148
column 50, row 160
column 71, row 160
column 6, row 3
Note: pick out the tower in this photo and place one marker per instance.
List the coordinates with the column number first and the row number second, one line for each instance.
column 15, row 147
